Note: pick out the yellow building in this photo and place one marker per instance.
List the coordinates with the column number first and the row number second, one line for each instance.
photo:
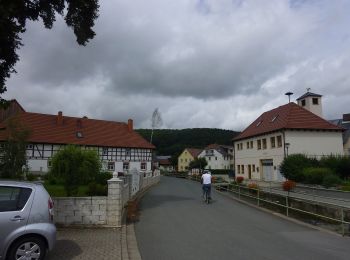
column 188, row 155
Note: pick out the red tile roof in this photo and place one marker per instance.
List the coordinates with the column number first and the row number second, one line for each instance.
column 289, row 116
column 194, row 152
column 47, row 129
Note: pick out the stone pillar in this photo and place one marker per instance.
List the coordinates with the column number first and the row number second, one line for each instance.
column 129, row 181
column 114, row 201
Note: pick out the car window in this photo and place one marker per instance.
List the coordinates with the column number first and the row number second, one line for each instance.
column 13, row 198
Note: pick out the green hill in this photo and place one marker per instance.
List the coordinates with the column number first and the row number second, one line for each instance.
column 173, row 141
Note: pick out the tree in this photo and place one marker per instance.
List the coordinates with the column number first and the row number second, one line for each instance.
column 13, row 161
column 74, row 167
column 80, row 15
column 156, row 121
column 198, row 163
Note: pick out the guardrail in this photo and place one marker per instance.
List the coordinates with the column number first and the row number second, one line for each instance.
column 291, row 206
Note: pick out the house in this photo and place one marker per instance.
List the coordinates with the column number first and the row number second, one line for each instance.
column 344, row 123
column 285, row 130
column 218, row 156
column 119, row 146
column 164, row 163
column 188, row 155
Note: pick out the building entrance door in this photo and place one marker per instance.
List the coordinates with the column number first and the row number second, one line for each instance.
column 267, row 167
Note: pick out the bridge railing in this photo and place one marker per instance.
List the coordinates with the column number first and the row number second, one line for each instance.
column 316, row 212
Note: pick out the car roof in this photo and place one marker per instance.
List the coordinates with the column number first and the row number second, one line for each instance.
column 26, row 184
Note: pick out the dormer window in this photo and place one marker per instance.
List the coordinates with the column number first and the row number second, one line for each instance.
column 79, row 134
column 274, row 118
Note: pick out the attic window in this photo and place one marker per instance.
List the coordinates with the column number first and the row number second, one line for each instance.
column 79, row 134
column 258, row 123
column 273, row 119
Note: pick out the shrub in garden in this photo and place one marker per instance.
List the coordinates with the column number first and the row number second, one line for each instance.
column 340, row 165
column 316, row 175
column 288, row 185
column 293, row 165
column 96, row 189
column 103, row 177
column 331, row 180
column 239, row 179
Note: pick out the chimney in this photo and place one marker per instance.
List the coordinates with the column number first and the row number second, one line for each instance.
column 130, row 125
column 346, row 118
column 60, row 118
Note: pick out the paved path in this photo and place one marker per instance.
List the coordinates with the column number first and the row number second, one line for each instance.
column 176, row 224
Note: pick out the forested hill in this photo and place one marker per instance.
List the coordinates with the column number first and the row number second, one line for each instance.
column 173, row 141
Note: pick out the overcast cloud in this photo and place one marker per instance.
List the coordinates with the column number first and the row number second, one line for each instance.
column 208, row 63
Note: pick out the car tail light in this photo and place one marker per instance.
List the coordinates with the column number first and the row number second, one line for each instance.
column 50, row 205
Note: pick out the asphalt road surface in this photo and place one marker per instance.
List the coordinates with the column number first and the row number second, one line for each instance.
column 176, row 224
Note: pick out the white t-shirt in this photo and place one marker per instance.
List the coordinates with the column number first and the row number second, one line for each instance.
column 206, row 178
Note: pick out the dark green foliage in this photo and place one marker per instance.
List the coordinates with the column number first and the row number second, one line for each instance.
column 31, row 177
column 220, row 172
column 316, row 175
column 198, row 163
column 13, row 163
column 293, row 165
column 74, row 167
column 103, row 177
column 340, row 165
column 96, row 189
column 331, row 180
column 80, row 15
column 174, row 141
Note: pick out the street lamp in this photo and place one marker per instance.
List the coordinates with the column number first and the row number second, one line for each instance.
column 287, row 147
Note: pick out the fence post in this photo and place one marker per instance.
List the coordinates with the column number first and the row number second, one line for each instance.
column 342, row 222
column 287, row 206
column 114, row 200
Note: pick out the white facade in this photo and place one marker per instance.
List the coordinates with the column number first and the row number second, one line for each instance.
column 217, row 160
column 113, row 158
column 260, row 157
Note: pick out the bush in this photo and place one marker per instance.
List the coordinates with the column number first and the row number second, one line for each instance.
column 340, row 165
column 288, row 185
column 331, row 180
column 293, row 165
column 316, row 175
column 239, row 179
column 220, row 172
column 103, row 177
column 30, row 177
column 95, row 189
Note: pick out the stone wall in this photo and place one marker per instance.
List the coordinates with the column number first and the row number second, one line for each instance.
column 104, row 210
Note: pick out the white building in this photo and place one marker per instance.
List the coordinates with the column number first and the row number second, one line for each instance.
column 285, row 130
column 120, row 148
column 218, row 157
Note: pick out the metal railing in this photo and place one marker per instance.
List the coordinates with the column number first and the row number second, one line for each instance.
column 269, row 197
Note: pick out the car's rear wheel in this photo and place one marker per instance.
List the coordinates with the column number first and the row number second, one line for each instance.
column 28, row 248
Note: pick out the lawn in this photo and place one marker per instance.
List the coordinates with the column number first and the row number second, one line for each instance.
column 57, row 190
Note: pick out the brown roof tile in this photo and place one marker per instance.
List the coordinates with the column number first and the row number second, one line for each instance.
column 289, row 116
column 46, row 129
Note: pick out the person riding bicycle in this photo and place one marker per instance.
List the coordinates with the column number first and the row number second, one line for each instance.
column 206, row 182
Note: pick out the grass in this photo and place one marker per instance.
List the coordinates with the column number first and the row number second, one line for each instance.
column 58, row 190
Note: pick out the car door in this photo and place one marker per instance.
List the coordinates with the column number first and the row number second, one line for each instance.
column 15, row 205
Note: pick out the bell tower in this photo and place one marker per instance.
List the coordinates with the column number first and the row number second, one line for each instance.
column 312, row 102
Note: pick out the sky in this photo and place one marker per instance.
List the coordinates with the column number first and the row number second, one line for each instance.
column 202, row 63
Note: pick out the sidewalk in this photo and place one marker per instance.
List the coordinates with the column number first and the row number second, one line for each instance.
column 96, row 243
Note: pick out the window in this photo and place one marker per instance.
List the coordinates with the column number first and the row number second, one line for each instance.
column 264, row 143
column 303, row 103
column 237, row 146
column 111, row 166
column 143, row 166
column 125, row 166
column 127, row 151
column 242, row 169
column 251, row 145
column 29, row 146
column 49, row 163
column 274, row 118
column 104, row 151
column 279, row 141
column 216, row 158
column 315, row 101
column 253, row 167
column 259, row 144
column 248, row 144
column 238, row 169
column 258, row 123
column 13, row 198
column 181, row 160
column 79, row 134
column 273, row 143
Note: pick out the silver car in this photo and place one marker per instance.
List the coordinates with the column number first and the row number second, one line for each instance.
column 27, row 230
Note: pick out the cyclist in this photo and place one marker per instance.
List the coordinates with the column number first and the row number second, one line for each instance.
column 206, row 181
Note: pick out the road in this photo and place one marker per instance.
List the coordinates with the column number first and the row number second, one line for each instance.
column 176, row 224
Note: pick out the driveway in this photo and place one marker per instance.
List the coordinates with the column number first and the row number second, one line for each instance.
column 87, row 244
column 176, row 224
